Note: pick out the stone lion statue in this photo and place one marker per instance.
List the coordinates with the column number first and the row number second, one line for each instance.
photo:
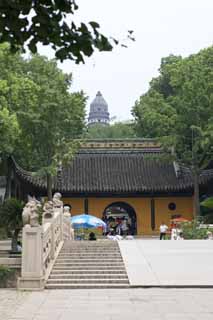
column 67, row 212
column 57, row 203
column 48, row 209
column 30, row 214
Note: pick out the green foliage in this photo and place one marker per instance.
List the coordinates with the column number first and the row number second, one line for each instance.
column 118, row 130
column 41, row 117
column 154, row 116
column 11, row 214
column 207, row 210
column 27, row 23
column 191, row 230
column 55, row 120
column 11, row 219
column 3, row 234
column 180, row 98
column 178, row 109
column 9, row 131
column 5, row 274
column 208, row 203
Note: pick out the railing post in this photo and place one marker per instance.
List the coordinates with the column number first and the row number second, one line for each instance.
column 61, row 224
column 32, row 274
column 52, row 253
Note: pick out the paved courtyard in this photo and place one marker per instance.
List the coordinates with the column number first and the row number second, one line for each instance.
column 168, row 263
column 108, row 304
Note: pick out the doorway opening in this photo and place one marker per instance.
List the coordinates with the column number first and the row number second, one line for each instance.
column 120, row 212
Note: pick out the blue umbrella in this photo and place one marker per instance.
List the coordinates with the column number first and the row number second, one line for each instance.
column 84, row 221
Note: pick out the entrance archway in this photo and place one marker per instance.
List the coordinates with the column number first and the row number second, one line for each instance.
column 121, row 210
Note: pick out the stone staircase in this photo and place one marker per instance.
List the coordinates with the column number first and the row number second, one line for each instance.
column 88, row 264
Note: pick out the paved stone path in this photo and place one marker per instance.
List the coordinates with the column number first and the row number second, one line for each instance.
column 108, row 304
column 168, row 263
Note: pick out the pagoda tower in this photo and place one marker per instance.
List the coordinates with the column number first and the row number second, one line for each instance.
column 98, row 111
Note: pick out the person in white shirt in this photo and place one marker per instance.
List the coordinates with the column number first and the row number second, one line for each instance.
column 163, row 230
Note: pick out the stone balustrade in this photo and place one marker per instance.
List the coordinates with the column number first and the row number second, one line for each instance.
column 40, row 247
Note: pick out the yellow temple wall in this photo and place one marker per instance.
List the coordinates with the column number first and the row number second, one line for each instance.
column 142, row 207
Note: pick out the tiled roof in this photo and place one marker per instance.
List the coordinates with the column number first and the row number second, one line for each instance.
column 118, row 172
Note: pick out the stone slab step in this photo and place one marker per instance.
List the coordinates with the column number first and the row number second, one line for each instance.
column 85, row 254
column 80, row 264
column 87, row 281
column 90, row 249
column 90, row 266
column 93, row 247
column 85, row 260
column 88, row 271
column 89, row 243
column 88, row 276
column 90, row 252
column 87, row 286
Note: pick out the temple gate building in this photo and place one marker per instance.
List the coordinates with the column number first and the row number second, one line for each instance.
column 121, row 178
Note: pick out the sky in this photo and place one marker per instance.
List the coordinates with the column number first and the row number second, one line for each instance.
column 161, row 27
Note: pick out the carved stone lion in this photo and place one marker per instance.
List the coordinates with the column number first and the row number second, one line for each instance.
column 30, row 212
column 57, row 203
column 67, row 211
column 48, row 210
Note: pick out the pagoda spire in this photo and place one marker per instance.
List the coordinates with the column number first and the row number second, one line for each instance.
column 98, row 111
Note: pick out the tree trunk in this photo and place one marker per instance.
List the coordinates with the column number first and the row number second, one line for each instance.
column 15, row 240
column 196, row 194
column 9, row 179
column 49, row 186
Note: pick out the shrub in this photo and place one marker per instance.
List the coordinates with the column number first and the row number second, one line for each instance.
column 5, row 274
column 3, row 234
column 11, row 217
column 192, row 230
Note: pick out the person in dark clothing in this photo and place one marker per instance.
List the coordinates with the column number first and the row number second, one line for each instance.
column 92, row 236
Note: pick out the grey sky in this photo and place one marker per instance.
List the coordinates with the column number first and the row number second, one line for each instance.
column 161, row 27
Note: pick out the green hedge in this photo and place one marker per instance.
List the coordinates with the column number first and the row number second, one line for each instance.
column 191, row 230
column 6, row 274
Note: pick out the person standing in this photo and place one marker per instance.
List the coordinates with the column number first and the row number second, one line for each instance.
column 163, row 230
column 124, row 227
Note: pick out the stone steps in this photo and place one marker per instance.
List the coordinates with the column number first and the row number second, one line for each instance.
column 88, row 281
column 89, row 255
column 88, row 276
column 92, row 263
column 84, row 264
column 88, row 271
column 86, row 286
column 87, row 267
column 86, row 259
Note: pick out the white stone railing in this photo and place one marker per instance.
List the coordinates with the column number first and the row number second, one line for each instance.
column 66, row 228
column 47, row 246
column 40, row 247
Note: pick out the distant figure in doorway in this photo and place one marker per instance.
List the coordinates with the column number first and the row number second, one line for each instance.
column 163, row 230
column 92, row 236
column 19, row 247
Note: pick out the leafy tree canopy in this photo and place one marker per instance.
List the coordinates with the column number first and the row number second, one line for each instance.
column 9, row 130
column 178, row 109
column 11, row 218
column 179, row 105
column 40, row 115
column 118, row 130
column 50, row 22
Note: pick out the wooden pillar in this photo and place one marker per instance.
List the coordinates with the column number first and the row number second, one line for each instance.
column 86, row 206
column 153, row 214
